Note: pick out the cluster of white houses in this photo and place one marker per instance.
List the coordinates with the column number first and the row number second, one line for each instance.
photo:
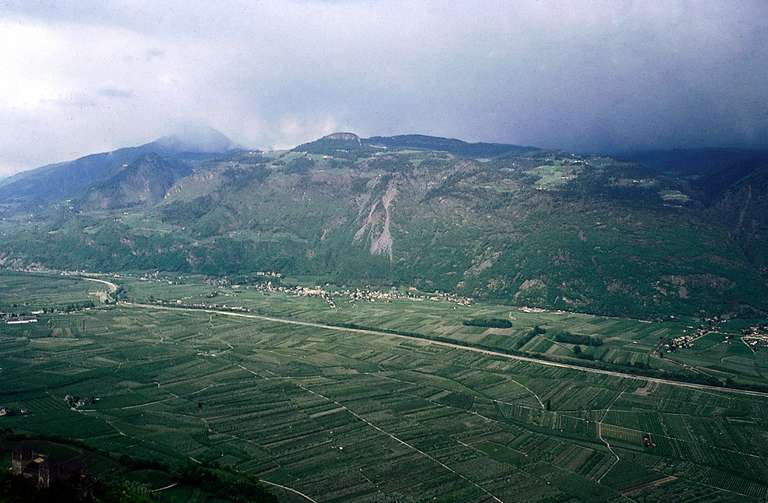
column 755, row 336
column 360, row 294
column 12, row 319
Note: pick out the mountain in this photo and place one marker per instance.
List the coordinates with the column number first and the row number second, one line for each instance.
column 708, row 171
column 731, row 184
column 350, row 143
column 645, row 236
column 196, row 139
column 743, row 209
column 144, row 181
column 71, row 179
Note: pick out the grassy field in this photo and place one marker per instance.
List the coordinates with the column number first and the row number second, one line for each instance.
column 350, row 417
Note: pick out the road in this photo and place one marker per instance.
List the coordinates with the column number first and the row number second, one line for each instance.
column 488, row 352
column 112, row 287
column 294, row 491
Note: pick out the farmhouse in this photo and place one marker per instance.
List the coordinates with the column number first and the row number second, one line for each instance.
column 42, row 471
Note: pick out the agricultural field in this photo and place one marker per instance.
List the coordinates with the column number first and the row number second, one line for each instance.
column 625, row 343
column 118, row 477
column 23, row 292
column 553, row 176
column 338, row 415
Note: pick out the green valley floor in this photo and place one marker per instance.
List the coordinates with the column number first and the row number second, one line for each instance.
column 337, row 415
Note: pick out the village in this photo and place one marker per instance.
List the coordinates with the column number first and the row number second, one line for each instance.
column 687, row 340
column 268, row 282
column 329, row 296
column 756, row 336
column 361, row 294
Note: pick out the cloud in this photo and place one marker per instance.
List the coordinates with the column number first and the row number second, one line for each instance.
column 113, row 92
column 82, row 76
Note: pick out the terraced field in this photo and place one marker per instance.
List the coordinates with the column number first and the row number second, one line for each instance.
column 342, row 416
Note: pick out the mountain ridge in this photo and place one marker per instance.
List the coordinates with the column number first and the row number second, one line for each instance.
column 69, row 179
column 145, row 180
column 521, row 225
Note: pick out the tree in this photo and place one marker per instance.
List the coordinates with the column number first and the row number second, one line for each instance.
column 577, row 349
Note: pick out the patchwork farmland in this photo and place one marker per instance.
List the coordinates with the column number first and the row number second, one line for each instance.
column 628, row 344
column 342, row 416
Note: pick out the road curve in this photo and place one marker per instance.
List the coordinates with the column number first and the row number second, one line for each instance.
column 112, row 287
column 682, row 384
column 294, row 491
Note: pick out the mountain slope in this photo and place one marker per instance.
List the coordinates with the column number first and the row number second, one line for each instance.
column 521, row 225
column 70, row 180
column 450, row 145
column 64, row 180
column 743, row 209
column 144, row 181
column 708, row 171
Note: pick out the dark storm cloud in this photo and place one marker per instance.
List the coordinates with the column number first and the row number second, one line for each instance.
column 580, row 75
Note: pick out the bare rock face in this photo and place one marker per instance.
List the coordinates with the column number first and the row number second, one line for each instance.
column 342, row 136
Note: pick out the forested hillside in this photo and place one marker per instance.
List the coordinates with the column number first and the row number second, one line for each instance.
column 518, row 224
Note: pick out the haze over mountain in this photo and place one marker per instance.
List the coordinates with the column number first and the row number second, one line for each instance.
column 196, row 139
column 68, row 179
column 652, row 233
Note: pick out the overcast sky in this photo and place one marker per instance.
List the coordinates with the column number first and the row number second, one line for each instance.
column 78, row 76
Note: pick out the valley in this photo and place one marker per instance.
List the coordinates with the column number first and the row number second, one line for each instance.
column 312, row 251
column 392, row 319
column 286, row 393
column 501, row 223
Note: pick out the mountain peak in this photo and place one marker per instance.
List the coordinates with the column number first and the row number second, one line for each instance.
column 333, row 143
column 198, row 139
